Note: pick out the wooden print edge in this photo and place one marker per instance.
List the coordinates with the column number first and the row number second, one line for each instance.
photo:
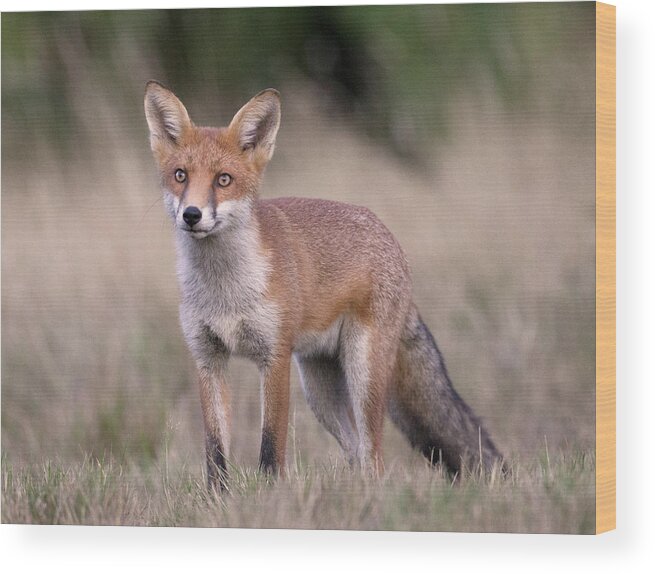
column 605, row 267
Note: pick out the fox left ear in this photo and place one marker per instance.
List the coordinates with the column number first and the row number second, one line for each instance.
column 256, row 124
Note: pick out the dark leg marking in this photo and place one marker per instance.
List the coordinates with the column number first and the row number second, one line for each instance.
column 216, row 466
column 267, row 458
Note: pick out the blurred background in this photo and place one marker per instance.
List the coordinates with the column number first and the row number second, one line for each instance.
column 468, row 129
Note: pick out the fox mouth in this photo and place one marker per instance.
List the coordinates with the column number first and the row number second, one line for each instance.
column 202, row 232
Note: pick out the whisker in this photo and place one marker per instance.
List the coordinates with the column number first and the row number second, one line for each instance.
column 160, row 198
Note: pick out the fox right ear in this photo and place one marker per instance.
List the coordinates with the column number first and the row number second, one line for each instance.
column 255, row 125
column 166, row 115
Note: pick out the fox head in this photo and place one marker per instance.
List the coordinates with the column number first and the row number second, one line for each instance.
column 210, row 176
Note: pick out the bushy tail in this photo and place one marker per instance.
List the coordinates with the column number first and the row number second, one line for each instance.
column 427, row 409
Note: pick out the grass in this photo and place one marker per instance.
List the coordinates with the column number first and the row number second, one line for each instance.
column 543, row 496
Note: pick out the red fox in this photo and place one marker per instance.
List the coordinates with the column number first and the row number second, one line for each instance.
column 320, row 282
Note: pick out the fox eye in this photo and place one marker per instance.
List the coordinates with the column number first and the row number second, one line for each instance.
column 180, row 175
column 224, row 179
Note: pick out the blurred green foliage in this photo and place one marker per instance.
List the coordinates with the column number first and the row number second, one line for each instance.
column 390, row 70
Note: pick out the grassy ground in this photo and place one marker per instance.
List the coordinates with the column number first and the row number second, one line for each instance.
column 555, row 494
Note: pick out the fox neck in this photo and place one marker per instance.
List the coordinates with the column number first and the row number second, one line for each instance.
column 230, row 266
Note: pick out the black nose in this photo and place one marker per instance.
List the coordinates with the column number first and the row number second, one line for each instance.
column 192, row 215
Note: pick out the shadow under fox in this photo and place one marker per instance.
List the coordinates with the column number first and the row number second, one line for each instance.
column 322, row 283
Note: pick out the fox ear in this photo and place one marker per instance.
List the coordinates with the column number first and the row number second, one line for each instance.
column 166, row 115
column 255, row 125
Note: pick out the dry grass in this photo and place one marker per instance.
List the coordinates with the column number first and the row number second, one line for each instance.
column 549, row 496
column 500, row 237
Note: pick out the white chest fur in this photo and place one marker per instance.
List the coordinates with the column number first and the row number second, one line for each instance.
column 224, row 279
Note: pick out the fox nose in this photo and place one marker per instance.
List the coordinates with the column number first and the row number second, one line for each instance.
column 192, row 215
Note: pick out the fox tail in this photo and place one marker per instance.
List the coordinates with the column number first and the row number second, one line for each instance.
column 428, row 410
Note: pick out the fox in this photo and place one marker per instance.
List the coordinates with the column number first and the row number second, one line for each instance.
column 316, row 282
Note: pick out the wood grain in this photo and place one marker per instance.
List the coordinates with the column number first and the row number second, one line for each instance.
column 605, row 267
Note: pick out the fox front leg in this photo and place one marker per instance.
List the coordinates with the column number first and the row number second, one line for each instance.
column 275, row 415
column 214, row 399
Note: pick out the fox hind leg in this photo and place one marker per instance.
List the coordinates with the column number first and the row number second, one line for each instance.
column 324, row 385
column 368, row 366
